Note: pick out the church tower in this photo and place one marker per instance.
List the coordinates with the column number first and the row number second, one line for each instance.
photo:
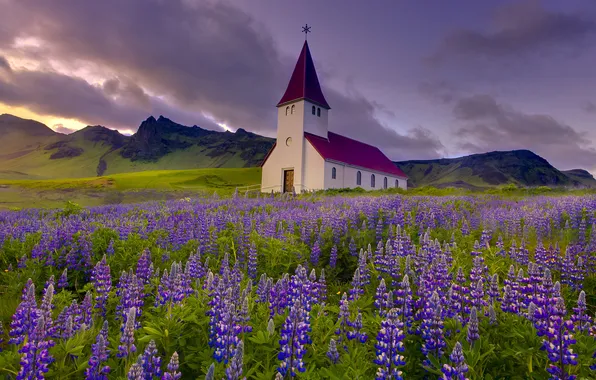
column 303, row 107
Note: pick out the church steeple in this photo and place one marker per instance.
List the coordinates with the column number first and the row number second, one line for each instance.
column 304, row 83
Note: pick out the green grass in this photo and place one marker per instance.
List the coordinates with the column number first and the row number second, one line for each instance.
column 125, row 187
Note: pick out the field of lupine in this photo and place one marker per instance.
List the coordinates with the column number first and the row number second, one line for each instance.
column 383, row 287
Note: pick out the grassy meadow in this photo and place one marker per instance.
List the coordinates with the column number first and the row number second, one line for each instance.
column 125, row 187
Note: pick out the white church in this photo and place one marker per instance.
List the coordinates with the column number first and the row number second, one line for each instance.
column 307, row 157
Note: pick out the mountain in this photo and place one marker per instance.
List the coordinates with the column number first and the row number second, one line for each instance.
column 33, row 150
column 582, row 176
column 519, row 167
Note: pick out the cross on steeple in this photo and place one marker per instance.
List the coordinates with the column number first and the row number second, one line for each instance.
column 306, row 30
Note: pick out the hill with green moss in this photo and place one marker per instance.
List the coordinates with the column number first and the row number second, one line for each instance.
column 476, row 171
column 31, row 150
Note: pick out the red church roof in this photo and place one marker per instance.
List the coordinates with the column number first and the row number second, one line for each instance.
column 351, row 152
column 304, row 83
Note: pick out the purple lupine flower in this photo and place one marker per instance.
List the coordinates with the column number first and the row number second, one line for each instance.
column 151, row 361
column 234, row 370
column 356, row 332
column 389, row 347
column 357, row 284
column 492, row 314
column 477, row 294
column 63, row 280
column 102, row 281
column 97, row 370
column 493, row 288
column 332, row 352
column 431, row 327
column 294, row 337
column 580, row 317
column 352, row 248
column 110, row 249
column 84, row 316
column 458, row 369
column 263, row 289
column 36, row 358
column 473, row 328
column 210, row 372
column 23, row 320
column 403, row 302
column 558, row 341
column 322, row 287
column 344, row 321
column 172, row 372
column 144, row 267
column 252, row 261
column 127, row 338
column 226, row 330
column 509, row 303
column 333, row 256
column 315, row 254
column 243, row 318
column 135, row 372
column 46, row 308
column 383, row 299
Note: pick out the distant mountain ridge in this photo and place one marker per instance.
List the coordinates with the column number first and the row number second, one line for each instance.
column 519, row 167
column 35, row 150
column 29, row 149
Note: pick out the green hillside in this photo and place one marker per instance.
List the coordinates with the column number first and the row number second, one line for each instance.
column 519, row 167
column 125, row 187
column 36, row 152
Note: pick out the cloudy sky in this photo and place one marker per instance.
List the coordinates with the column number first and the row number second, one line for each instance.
column 420, row 79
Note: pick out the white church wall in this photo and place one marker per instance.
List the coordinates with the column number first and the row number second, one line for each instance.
column 346, row 177
column 314, row 169
column 315, row 124
column 287, row 153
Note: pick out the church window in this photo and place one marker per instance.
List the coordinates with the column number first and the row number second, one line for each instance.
column 385, row 183
column 318, row 112
column 287, row 110
column 396, row 183
column 358, row 178
column 313, row 110
column 292, row 109
column 333, row 173
column 372, row 180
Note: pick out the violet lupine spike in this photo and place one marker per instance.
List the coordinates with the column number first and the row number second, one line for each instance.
column 252, row 262
column 24, row 318
column 172, row 368
column 102, row 281
column 473, row 333
column 333, row 257
column 389, row 347
column 36, row 358
column 144, row 270
column 356, row 291
column 294, row 338
column 344, row 321
column 135, row 372
column 431, row 327
column 235, row 369
column 558, row 343
column 151, row 361
column 46, row 307
column 382, row 299
column 127, row 339
column 210, row 372
column 456, row 371
column 315, row 254
column 63, row 280
column 580, row 315
column 356, row 331
column 332, row 352
column 97, row 369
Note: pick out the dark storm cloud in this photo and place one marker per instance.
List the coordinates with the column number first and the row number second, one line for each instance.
column 521, row 27
column 114, row 105
column 202, row 56
column 356, row 120
column 488, row 126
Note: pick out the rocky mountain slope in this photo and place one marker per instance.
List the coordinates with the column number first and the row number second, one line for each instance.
column 34, row 150
column 520, row 167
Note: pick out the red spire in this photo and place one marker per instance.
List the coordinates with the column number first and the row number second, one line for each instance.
column 304, row 83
